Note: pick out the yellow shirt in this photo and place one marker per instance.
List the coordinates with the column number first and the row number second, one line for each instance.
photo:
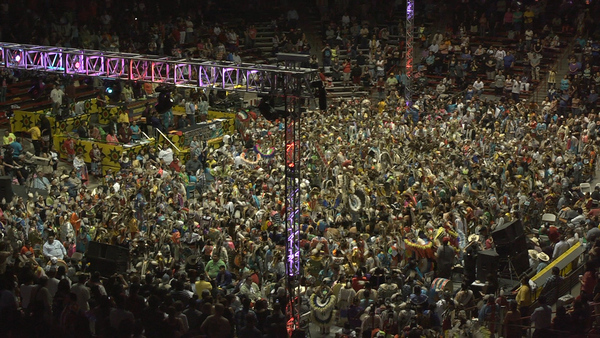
column 381, row 106
column 123, row 117
column 35, row 132
column 9, row 139
column 202, row 285
column 524, row 296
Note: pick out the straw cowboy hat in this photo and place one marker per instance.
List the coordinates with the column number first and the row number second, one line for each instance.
column 192, row 260
column 543, row 257
column 533, row 254
column 473, row 238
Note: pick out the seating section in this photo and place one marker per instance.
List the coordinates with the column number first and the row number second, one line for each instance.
column 18, row 96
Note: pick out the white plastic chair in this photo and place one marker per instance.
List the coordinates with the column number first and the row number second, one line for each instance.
column 585, row 187
column 549, row 218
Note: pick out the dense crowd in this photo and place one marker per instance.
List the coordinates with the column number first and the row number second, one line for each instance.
column 391, row 200
column 397, row 201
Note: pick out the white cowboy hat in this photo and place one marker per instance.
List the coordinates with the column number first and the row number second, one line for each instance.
column 543, row 257
column 473, row 238
column 533, row 254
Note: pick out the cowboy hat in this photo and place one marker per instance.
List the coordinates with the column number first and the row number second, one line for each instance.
column 543, row 257
column 533, row 254
column 473, row 238
column 192, row 260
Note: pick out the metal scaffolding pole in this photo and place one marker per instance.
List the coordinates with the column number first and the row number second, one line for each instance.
column 293, row 105
column 410, row 28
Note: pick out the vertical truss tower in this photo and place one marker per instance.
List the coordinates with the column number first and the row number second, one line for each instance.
column 410, row 29
column 292, row 219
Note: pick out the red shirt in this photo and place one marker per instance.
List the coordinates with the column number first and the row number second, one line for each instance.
column 588, row 282
column 553, row 234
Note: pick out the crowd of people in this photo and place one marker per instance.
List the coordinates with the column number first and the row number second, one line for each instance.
column 397, row 201
column 513, row 62
column 392, row 199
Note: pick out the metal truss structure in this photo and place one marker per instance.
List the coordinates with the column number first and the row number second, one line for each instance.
column 260, row 79
column 293, row 178
column 410, row 29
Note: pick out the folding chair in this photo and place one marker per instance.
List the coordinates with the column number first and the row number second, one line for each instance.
column 585, row 188
column 549, row 218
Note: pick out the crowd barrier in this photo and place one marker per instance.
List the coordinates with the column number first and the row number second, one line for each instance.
column 566, row 263
column 22, row 121
column 122, row 111
column 112, row 152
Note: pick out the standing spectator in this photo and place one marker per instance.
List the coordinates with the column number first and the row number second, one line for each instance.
column 250, row 37
column 217, row 326
column 509, row 62
column 552, row 286
column 490, row 70
column 125, row 133
column 56, row 95
column 542, row 318
column 3, row 85
column 136, row 133
column 82, row 291
column 564, row 83
column 445, row 259
column 36, row 136
column 512, row 321
column 589, row 280
column 535, row 60
column 524, row 298
column 499, row 81
column 516, row 89
column 275, row 325
column 347, row 69
column 560, row 248
column 478, row 86
column 326, row 51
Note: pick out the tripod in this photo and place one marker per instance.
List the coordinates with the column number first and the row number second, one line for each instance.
column 512, row 272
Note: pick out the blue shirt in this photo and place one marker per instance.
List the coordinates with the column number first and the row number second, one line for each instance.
column 17, row 148
column 508, row 60
column 135, row 129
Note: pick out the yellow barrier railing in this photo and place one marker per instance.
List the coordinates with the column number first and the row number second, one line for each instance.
column 112, row 152
column 566, row 263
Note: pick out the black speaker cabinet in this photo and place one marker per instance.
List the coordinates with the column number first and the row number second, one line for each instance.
column 513, row 248
column 487, row 262
column 107, row 259
column 96, row 250
column 507, row 232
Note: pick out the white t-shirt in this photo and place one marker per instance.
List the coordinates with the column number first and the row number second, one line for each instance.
column 500, row 54
column 478, row 85
column 57, row 95
column 83, row 295
column 166, row 155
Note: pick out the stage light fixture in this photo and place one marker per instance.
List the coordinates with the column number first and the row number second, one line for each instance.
column 18, row 58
